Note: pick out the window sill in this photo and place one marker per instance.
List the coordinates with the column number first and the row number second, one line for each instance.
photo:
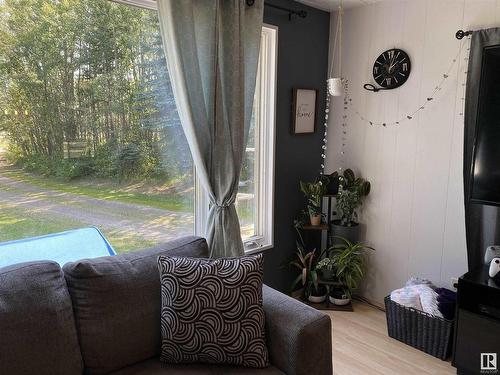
column 259, row 249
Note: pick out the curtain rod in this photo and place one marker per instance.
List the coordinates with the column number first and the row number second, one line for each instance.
column 460, row 34
column 291, row 12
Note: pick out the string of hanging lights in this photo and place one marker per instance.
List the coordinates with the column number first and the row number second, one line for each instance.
column 349, row 106
column 432, row 97
column 335, row 85
column 325, row 134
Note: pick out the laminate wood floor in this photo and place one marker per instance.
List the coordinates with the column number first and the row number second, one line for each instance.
column 361, row 346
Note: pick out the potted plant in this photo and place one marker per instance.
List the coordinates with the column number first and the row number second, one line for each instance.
column 326, row 268
column 340, row 295
column 303, row 262
column 308, row 276
column 316, row 293
column 352, row 191
column 314, row 192
column 349, row 181
column 348, row 261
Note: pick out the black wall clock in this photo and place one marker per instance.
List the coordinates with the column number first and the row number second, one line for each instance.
column 390, row 70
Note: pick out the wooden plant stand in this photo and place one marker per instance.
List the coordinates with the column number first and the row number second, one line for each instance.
column 327, row 305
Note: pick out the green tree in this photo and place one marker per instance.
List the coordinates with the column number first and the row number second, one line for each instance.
column 91, row 71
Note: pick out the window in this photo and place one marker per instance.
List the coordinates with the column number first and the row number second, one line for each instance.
column 89, row 132
column 255, row 199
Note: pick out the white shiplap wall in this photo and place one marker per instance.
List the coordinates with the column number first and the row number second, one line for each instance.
column 414, row 215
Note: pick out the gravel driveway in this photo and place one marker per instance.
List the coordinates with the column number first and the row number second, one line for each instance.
column 150, row 223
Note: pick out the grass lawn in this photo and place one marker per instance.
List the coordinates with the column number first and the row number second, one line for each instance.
column 165, row 201
column 18, row 223
column 125, row 242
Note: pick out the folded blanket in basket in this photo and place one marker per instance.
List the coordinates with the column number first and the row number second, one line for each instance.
column 407, row 296
column 421, row 297
column 415, row 280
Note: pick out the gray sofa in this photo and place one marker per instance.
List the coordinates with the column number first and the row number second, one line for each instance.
column 101, row 316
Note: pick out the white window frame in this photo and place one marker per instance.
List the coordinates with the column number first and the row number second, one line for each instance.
column 266, row 118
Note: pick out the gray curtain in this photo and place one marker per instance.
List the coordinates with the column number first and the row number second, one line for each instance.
column 481, row 221
column 212, row 49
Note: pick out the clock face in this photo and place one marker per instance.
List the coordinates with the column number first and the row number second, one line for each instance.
column 392, row 68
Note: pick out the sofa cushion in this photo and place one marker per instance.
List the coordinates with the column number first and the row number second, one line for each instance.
column 116, row 301
column 212, row 311
column 37, row 328
column 155, row 367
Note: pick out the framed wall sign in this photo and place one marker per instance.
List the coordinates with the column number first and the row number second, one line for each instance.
column 304, row 111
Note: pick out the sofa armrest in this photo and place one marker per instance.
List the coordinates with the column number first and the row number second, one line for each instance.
column 299, row 338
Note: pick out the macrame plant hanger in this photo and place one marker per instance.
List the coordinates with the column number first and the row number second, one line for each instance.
column 335, row 85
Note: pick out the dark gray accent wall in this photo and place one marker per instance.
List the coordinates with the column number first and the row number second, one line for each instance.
column 302, row 63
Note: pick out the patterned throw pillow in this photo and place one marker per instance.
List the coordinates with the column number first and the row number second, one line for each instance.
column 212, row 312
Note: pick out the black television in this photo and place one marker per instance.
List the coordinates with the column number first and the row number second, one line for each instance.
column 485, row 179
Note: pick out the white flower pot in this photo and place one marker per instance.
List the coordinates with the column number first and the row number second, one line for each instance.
column 335, row 86
column 317, row 299
column 339, row 302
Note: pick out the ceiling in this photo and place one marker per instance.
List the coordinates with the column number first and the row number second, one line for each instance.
column 332, row 5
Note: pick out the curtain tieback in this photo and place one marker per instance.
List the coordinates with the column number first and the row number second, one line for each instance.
column 225, row 205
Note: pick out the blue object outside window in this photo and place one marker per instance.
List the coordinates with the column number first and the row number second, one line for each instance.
column 60, row 247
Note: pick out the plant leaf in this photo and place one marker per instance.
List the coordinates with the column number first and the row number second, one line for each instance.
column 314, row 277
column 296, row 282
column 349, row 175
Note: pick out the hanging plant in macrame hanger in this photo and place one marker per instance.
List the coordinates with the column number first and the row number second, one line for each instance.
column 336, row 86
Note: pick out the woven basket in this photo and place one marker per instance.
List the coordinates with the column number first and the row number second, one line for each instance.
column 419, row 329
